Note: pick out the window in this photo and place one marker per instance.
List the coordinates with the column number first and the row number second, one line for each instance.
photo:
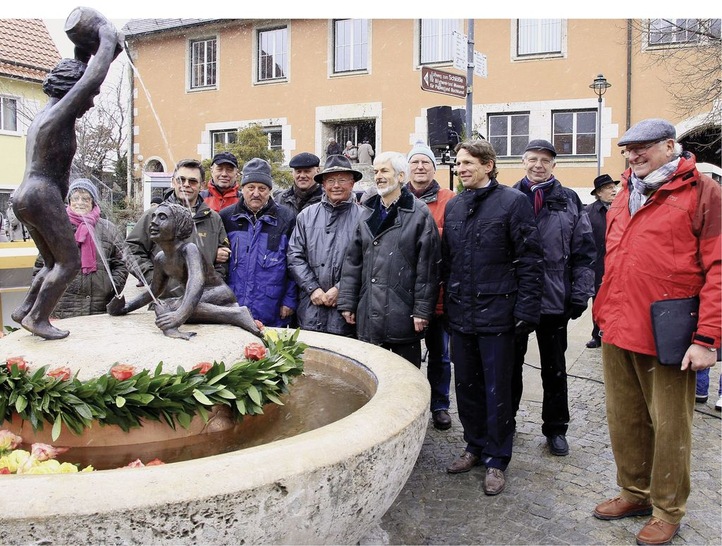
column 221, row 139
column 274, row 137
column 203, row 63
column 8, row 114
column 538, row 36
column 437, row 41
column 509, row 133
column 673, row 31
column 272, row 54
column 350, row 45
column 575, row 132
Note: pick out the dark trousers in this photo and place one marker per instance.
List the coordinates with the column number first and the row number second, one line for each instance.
column 595, row 327
column 483, row 394
column 410, row 351
column 438, row 364
column 551, row 336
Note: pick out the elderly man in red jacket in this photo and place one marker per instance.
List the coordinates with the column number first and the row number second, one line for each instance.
column 663, row 242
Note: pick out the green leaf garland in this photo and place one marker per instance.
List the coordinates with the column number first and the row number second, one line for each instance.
column 245, row 387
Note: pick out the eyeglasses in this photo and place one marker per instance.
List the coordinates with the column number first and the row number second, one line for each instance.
column 340, row 181
column 75, row 198
column 640, row 149
column 191, row 181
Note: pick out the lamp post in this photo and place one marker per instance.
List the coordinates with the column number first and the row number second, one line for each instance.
column 600, row 86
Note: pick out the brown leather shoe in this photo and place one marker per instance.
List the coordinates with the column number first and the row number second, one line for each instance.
column 494, row 481
column 656, row 532
column 618, row 508
column 466, row 462
column 441, row 419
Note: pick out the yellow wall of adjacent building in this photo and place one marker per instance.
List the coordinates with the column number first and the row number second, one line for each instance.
column 389, row 92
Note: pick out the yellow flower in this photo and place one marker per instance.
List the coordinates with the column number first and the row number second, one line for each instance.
column 88, row 468
column 14, row 460
column 270, row 334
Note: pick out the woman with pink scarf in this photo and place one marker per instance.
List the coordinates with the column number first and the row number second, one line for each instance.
column 92, row 288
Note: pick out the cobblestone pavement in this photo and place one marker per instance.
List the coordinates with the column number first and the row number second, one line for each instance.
column 548, row 499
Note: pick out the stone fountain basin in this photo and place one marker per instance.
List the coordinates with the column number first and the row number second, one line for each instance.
column 326, row 486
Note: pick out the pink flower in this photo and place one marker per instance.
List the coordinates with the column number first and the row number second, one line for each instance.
column 43, row 452
column 135, row 464
column 18, row 361
column 259, row 324
column 155, row 462
column 122, row 371
column 9, row 441
column 254, row 351
column 63, row 373
column 5, row 470
column 203, row 367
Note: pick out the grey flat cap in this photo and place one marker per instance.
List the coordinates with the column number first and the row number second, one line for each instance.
column 541, row 144
column 648, row 130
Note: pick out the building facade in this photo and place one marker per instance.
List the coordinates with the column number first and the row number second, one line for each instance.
column 196, row 82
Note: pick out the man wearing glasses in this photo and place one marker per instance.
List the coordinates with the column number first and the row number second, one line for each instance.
column 318, row 244
column 209, row 234
column 569, row 254
column 663, row 242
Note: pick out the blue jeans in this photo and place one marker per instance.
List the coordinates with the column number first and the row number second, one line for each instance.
column 438, row 369
column 703, row 383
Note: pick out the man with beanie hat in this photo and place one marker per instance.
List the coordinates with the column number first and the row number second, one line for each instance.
column 422, row 169
column 208, row 235
column 663, row 243
column 259, row 230
column 569, row 255
column 223, row 189
column 305, row 190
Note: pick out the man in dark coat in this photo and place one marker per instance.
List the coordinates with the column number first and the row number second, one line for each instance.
column 492, row 277
column 569, row 256
column 305, row 190
column 389, row 281
column 605, row 189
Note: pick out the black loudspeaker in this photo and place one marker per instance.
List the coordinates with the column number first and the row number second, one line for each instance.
column 458, row 120
column 437, row 122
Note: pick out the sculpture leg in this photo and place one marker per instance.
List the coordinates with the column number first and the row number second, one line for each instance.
column 219, row 314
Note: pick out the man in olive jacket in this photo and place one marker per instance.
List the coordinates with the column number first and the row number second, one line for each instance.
column 389, row 281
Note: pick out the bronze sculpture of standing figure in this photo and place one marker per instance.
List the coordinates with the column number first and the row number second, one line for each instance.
column 39, row 201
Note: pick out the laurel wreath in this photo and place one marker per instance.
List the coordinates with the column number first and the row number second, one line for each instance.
column 245, row 387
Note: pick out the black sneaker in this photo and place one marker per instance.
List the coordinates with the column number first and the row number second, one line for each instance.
column 700, row 399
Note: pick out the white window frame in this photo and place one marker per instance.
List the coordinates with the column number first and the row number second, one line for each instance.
column 437, row 39
column 279, row 52
column 575, row 132
column 274, row 132
column 540, row 53
column 4, row 101
column 509, row 135
column 229, row 136
column 357, row 46
column 209, row 66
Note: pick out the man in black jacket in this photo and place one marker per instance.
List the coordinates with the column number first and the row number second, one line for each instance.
column 492, row 276
column 605, row 190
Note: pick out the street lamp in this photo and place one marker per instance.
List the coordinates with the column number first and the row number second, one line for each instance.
column 600, row 86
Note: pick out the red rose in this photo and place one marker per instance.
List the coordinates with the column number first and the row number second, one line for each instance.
column 63, row 373
column 203, row 367
column 122, row 371
column 4, row 470
column 154, row 462
column 254, row 351
column 18, row 361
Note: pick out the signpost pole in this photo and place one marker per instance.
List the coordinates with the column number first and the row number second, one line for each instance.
column 469, row 79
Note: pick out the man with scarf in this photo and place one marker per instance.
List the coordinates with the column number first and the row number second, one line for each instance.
column 569, row 255
column 223, row 189
column 422, row 168
column 305, row 190
column 209, row 235
column 94, row 286
column 663, row 242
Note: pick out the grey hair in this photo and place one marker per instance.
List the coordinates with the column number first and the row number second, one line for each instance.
column 398, row 162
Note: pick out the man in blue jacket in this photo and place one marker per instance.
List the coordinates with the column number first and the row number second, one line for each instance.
column 569, row 255
column 259, row 230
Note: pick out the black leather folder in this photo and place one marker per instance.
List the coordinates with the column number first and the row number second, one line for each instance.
column 673, row 323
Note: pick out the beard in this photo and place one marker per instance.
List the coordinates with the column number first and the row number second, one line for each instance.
column 388, row 189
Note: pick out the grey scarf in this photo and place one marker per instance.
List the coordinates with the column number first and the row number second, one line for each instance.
column 651, row 183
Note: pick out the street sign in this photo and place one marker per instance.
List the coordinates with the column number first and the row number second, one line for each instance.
column 461, row 54
column 447, row 83
column 480, row 65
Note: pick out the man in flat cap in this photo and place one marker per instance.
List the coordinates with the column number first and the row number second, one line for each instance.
column 305, row 190
column 569, row 255
column 318, row 244
column 663, row 242
column 223, row 189
column 604, row 191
